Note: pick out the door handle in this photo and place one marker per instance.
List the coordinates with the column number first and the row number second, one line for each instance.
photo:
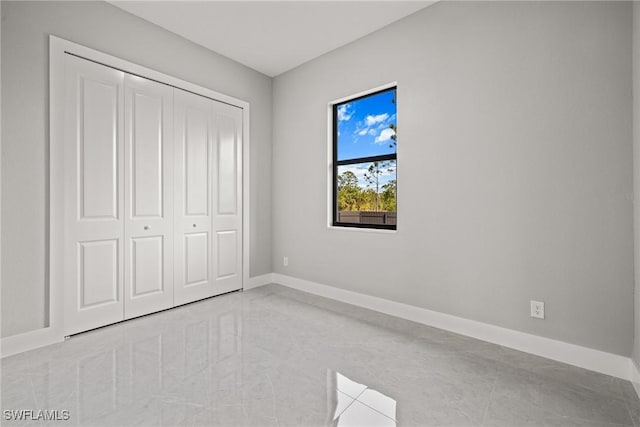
column 194, row 226
column 146, row 227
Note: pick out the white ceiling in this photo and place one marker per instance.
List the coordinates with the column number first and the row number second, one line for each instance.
column 272, row 36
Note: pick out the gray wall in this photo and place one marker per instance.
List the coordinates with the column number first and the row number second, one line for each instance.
column 514, row 167
column 25, row 30
column 636, row 170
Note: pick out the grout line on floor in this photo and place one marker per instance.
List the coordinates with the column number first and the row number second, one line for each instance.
column 371, row 407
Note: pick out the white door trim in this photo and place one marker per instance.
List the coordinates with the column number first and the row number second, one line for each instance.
column 57, row 49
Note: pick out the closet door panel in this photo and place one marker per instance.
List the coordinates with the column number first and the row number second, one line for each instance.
column 98, row 278
column 227, row 165
column 148, row 282
column 192, row 178
column 146, row 152
column 93, row 199
column 147, row 266
column 196, row 259
column 227, row 188
column 98, row 149
column 196, row 161
column 226, row 250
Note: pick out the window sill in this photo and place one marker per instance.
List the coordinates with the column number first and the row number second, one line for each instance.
column 362, row 229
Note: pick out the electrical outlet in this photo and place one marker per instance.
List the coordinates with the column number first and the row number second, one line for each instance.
column 285, row 261
column 537, row 309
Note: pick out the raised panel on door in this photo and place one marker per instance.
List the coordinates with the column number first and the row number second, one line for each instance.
column 93, row 195
column 98, row 275
column 196, row 161
column 192, row 208
column 148, row 282
column 226, row 251
column 227, row 187
column 196, row 259
column 147, row 266
column 98, row 150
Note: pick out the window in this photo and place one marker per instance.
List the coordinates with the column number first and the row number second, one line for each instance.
column 364, row 161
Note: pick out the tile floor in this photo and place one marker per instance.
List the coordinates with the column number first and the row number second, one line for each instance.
column 273, row 356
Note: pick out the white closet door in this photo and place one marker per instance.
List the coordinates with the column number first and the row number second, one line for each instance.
column 227, row 198
column 192, row 184
column 94, row 208
column 148, row 244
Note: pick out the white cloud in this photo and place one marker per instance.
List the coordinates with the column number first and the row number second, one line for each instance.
column 374, row 125
column 372, row 120
column 385, row 135
column 345, row 112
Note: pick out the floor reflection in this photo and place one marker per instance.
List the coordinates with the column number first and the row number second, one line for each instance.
column 278, row 357
column 354, row 404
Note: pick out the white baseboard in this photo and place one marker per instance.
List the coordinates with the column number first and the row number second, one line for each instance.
column 635, row 377
column 257, row 281
column 28, row 341
column 583, row 357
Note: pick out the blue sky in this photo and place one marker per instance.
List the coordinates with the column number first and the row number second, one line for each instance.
column 363, row 126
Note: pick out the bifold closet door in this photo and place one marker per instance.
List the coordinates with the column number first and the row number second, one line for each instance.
column 227, row 198
column 94, row 197
column 148, row 240
column 208, row 198
column 192, row 201
column 153, row 196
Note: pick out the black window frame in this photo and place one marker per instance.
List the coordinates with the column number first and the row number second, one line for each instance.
column 337, row 163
